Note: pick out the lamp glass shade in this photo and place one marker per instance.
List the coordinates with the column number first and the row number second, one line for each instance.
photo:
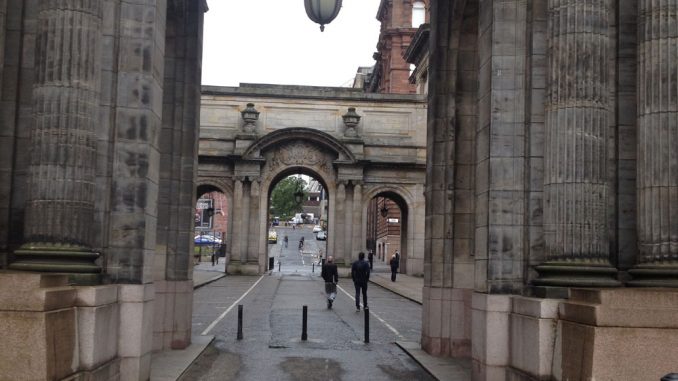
column 322, row 11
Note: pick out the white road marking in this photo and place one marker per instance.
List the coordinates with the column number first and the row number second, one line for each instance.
column 223, row 315
column 390, row 327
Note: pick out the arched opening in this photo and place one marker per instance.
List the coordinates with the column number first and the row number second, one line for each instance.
column 387, row 228
column 297, row 221
column 211, row 221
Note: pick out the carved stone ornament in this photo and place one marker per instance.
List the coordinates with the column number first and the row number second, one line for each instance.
column 299, row 153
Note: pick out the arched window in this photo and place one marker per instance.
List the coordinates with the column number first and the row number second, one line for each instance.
column 418, row 14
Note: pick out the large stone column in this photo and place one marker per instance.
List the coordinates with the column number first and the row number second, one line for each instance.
column 657, row 179
column 60, row 205
column 575, row 175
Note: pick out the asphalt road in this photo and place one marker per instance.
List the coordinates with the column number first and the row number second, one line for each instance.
column 292, row 259
column 272, row 348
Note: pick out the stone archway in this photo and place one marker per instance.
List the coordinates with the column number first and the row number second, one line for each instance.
column 286, row 152
column 410, row 244
column 296, row 157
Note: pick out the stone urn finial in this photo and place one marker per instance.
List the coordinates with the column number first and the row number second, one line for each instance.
column 351, row 120
column 250, row 115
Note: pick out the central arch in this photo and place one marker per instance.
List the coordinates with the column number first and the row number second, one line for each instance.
column 275, row 156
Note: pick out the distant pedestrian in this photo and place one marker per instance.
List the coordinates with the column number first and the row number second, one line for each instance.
column 285, row 241
column 331, row 276
column 394, row 267
column 370, row 258
column 360, row 273
column 397, row 254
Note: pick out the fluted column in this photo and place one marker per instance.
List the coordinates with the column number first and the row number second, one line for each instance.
column 657, row 178
column 3, row 16
column 575, row 180
column 60, row 202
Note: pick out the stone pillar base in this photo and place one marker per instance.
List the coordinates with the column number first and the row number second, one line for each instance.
column 239, row 268
column 451, row 336
column 38, row 324
column 532, row 338
column 619, row 334
column 654, row 276
column 172, row 313
column 135, row 340
column 576, row 275
column 77, row 262
column 490, row 336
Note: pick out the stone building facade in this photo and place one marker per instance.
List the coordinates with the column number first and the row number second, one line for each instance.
column 300, row 130
column 551, row 188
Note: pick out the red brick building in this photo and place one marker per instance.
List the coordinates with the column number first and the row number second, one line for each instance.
column 399, row 22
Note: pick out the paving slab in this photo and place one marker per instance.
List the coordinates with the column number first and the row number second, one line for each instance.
column 406, row 286
column 170, row 365
column 441, row 368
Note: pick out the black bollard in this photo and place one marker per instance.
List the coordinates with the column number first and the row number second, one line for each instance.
column 367, row 325
column 239, row 321
column 304, row 320
column 670, row 377
column 279, row 264
column 313, row 270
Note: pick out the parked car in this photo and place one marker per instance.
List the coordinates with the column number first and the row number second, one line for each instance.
column 321, row 236
column 272, row 236
column 317, row 228
column 206, row 239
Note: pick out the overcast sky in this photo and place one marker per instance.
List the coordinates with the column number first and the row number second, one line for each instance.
column 273, row 41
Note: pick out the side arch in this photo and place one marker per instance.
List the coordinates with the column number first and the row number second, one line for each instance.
column 225, row 186
column 405, row 200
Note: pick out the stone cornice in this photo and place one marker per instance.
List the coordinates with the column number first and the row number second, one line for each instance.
column 309, row 92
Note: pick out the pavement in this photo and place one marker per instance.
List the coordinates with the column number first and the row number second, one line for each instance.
column 170, row 365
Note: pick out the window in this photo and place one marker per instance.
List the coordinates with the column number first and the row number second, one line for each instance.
column 418, row 14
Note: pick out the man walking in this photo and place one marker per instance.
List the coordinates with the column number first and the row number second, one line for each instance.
column 360, row 273
column 394, row 263
column 331, row 276
column 370, row 258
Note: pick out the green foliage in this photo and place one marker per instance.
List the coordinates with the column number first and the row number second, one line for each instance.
column 283, row 201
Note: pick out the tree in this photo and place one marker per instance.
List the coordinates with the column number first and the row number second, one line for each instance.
column 283, row 196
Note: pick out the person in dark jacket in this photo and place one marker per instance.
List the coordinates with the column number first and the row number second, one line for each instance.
column 395, row 263
column 370, row 258
column 360, row 273
column 331, row 276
